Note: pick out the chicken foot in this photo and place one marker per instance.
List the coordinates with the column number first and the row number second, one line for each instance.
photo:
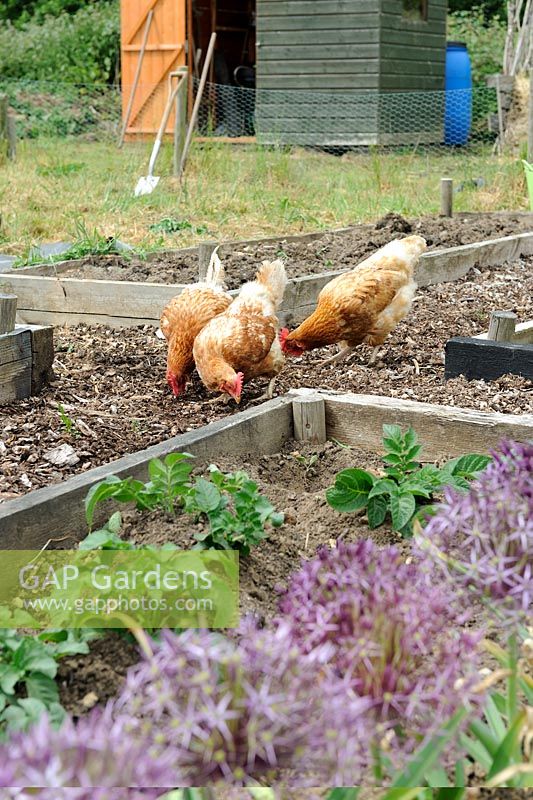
column 340, row 356
column 268, row 395
column 223, row 399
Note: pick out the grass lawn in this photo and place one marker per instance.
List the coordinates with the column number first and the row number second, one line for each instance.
column 233, row 191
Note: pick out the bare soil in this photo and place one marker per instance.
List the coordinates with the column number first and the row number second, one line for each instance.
column 295, row 486
column 333, row 251
column 110, row 383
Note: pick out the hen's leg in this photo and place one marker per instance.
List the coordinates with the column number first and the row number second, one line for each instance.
column 374, row 356
column 269, row 394
column 223, row 399
column 340, row 356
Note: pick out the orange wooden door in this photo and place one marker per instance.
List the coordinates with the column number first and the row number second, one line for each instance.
column 165, row 51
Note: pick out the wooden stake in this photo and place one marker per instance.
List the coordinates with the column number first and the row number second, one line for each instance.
column 8, row 311
column 142, row 51
column 180, row 126
column 446, row 197
column 3, row 117
column 530, row 121
column 502, row 326
column 309, row 417
column 205, row 251
column 194, row 115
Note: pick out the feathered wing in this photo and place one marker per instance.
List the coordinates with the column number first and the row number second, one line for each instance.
column 244, row 338
column 365, row 304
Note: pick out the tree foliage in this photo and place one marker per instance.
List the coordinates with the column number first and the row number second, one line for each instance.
column 22, row 11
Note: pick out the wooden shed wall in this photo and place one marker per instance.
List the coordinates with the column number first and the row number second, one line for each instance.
column 310, row 49
column 328, row 54
column 412, row 52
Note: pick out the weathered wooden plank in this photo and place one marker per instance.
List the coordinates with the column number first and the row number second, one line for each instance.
column 412, row 38
column 8, row 311
column 523, row 334
column 444, row 430
column 15, row 380
column 14, row 346
column 316, row 81
column 54, row 512
column 320, row 125
column 307, row 52
column 309, row 417
column 405, row 82
column 485, row 359
column 319, row 38
column 320, row 22
column 455, row 262
column 335, row 66
column 268, row 8
column 91, row 297
column 58, row 318
column 42, row 354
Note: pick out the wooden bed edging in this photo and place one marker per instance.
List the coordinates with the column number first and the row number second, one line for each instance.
column 485, row 359
column 445, row 431
column 56, row 512
column 58, row 300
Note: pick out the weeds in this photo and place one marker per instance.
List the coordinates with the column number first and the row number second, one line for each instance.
column 67, row 422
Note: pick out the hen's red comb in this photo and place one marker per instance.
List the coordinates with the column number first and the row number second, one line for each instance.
column 239, row 378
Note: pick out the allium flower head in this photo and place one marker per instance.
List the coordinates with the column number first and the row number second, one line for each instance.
column 488, row 533
column 396, row 635
column 81, row 794
column 233, row 711
column 104, row 749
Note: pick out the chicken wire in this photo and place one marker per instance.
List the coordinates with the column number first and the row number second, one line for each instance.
column 334, row 120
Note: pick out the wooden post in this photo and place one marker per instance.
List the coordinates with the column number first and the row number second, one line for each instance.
column 11, row 131
column 309, row 417
column 205, row 251
column 446, row 197
column 137, row 76
column 3, row 119
column 530, row 121
column 502, row 325
column 499, row 140
column 180, row 126
column 8, row 311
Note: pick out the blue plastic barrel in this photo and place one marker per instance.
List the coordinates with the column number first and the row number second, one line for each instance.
column 458, row 103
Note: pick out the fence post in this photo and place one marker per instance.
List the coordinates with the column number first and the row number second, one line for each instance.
column 205, row 251
column 446, row 197
column 502, row 326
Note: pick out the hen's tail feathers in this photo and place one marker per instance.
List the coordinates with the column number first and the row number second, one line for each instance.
column 215, row 271
column 272, row 275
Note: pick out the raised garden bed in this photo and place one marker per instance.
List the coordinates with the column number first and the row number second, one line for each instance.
column 51, row 293
column 111, row 385
column 56, row 513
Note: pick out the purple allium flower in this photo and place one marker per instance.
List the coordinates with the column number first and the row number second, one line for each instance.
column 488, row 532
column 234, row 711
column 104, row 749
column 396, row 636
column 82, row 794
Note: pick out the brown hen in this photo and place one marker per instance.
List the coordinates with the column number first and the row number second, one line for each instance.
column 363, row 305
column 185, row 316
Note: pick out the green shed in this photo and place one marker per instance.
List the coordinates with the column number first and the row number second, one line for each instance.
column 350, row 72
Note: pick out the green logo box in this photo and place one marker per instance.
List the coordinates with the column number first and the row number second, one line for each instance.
column 119, row 589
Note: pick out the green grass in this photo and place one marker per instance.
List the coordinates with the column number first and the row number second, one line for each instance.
column 231, row 191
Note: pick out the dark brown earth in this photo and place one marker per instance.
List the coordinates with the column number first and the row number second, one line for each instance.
column 87, row 680
column 111, row 384
column 332, row 251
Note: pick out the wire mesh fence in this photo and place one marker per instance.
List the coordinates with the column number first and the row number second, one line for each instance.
column 335, row 120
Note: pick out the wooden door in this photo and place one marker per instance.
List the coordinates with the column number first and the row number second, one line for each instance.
column 165, row 51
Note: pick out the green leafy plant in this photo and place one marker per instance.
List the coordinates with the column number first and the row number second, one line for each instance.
column 406, row 491
column 86, row 243
column 28, row 667
column 172, row 225
column 235, row 510
column 68, row 422
column 167, row 485
column 230, row 503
